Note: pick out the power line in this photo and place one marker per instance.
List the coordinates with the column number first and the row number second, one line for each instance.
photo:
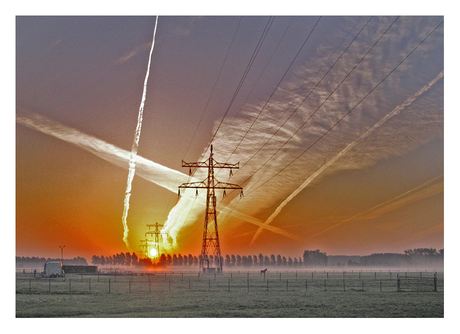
column 214, row 86
column 325, row 100
column 279, row 83
column 263, row 70
column 346, row 114
column 303, row 101
column 243, row 78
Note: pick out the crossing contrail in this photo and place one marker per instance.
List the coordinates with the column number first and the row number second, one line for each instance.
column 394, row 112
column 134, row 148
column 160, row 175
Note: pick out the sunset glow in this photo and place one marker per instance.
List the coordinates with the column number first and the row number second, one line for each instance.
column 337, row 124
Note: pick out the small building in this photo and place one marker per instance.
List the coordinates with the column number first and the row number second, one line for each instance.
column 79, row 269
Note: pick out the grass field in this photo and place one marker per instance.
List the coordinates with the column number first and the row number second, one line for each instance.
column 233, row 294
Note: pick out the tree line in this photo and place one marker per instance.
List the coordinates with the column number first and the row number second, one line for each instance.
column 309, row 258
column 417, row 256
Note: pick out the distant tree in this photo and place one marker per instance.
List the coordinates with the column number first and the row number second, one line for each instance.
column 266, row 260
column 254, row 261
column 284, row 261
column 238, row 260
column 162, row 260
column 233, row 263
column 95, row 260
column 122, row 259
column 102, row 260
column 279, row 260
column 296, row 263
column 272, row 260
column 128, row 259
column 314, row 258
column 134, row 259
column 168, row 259
column 261, row 259
column 227, row 261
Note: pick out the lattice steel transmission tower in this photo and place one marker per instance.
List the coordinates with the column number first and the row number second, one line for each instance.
column 156, row 239
column 145, row 245
column 211, row 244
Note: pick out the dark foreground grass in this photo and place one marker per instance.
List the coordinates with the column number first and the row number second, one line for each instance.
column 234, row 304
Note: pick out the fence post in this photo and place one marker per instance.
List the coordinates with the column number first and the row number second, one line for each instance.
column 343, row 282
column 398, row 283
column 325, row 285
column 435, row 282
column 30, row 285
column 109, row 285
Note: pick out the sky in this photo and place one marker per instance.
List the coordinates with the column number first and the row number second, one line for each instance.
column 337, row 123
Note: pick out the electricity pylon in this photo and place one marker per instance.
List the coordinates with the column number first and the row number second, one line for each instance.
column 156, row 233
column 145, row 245
column 211, row 244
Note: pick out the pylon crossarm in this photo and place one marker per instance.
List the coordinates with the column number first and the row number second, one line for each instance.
column 225, row 185
column 226, row 165
column 194, row 164
column 193, row 185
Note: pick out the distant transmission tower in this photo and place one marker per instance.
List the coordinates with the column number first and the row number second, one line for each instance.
column 211, row 245
column 145, row 244
column 156, row 234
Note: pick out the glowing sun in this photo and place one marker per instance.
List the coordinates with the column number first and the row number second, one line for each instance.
column 153, row 252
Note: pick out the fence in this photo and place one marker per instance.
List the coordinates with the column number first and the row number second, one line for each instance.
column 178, row 282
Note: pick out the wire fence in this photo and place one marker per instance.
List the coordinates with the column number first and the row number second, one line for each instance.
column 180, row 282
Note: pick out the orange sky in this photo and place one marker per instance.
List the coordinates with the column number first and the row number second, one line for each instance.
column 351, row 117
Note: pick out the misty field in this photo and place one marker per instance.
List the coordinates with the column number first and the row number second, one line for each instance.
column 318, row 294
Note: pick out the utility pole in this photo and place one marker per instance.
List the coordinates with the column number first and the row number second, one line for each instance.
column 211, row 244
column 156, row 233
column 62, row 253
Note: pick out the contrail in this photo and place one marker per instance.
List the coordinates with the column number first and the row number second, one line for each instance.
column 160, row 175
column 394, row 112
column 394, row 203
column 134, row 148
column 151, row 171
